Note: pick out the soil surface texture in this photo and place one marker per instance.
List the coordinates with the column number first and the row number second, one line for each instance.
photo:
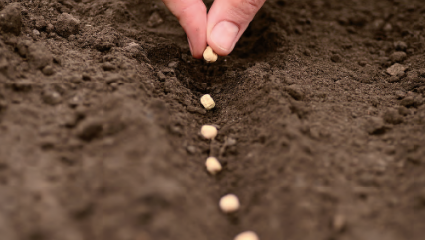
column 320, row 110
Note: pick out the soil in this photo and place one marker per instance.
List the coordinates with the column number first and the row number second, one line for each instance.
column 320, row 110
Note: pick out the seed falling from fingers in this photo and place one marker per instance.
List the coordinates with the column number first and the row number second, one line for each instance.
column 248, row 235
column 229, row 203
column 213, row 165
column 209, row 55
column 209, row 131
column 207, row 102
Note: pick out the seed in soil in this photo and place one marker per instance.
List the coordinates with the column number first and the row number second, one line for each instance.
column 209, row 55
column 213, row 165
column 248, row 235
column 229, row 203
column 207, row 102
column 209, row 131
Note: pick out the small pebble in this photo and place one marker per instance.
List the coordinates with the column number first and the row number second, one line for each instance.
column 161, row 76
column 52, row 35
column 191, row 149
column 229, row 203
column 213, row 165
column 51, row 97
column 421, row 72
column 398, row 56
column 50, row 28
column 209, row 131
column 400, row 46
column 72, row 37
column 155, row 20
column 231, row 142
column 48, row 70
column 108, row 66
column 400, row 94
column 173, row 64
column 295, row 91
column 392, row 116
column 394, row 79
column 362, row 63
column 248, row 235
column 374, row 125
column 338, row 223
column 396, row 69
column 193, row 109
column 336, row 58
column 388, row 27
column 207, row 102
column 209, row 55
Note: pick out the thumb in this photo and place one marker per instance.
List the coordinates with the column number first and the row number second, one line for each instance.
column 227, row 20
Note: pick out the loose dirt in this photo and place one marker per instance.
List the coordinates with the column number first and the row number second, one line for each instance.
column 320, row 111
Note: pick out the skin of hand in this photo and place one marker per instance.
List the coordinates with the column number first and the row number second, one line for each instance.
column 221, row 28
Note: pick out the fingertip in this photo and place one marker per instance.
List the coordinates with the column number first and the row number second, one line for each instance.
column 192, row 16
column 194, row 22
column 198, row 49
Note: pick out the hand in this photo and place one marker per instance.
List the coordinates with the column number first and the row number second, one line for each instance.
column 220, row 29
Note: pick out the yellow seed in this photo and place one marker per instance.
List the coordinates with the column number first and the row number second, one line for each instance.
column 209, row 55
column 213, row 165
column 248, row 235
column 209, row 131
column 229, row 203
column 207, row 102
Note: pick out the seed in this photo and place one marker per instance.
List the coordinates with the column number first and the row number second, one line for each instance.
column 248, row 235
column 229, row 203
column 209, row 131
column 213, row 165
column 207, row 102
column 209, row 55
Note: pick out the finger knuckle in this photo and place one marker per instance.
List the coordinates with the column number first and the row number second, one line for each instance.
column 250, row 7
column 186, row 10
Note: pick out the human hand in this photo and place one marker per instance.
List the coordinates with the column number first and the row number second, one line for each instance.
column 220, row 29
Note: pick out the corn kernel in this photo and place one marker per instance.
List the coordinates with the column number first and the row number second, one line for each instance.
column 213, row 165
column 248, row 235
column 229, row 203
column 207, row 102
column 209, row 55
column 209, row 131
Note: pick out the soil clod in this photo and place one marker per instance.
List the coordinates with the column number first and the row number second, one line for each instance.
column 67, row 25
column 11, row 19
column 397, row 69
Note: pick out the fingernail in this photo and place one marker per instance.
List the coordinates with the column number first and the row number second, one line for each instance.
column 190, row 46
column 224, row 35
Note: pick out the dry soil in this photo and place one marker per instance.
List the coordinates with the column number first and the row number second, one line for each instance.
column 320, row 110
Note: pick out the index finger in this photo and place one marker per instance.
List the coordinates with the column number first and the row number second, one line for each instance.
column 192, row 16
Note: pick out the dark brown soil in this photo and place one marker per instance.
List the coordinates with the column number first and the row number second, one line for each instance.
column 100, row 118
